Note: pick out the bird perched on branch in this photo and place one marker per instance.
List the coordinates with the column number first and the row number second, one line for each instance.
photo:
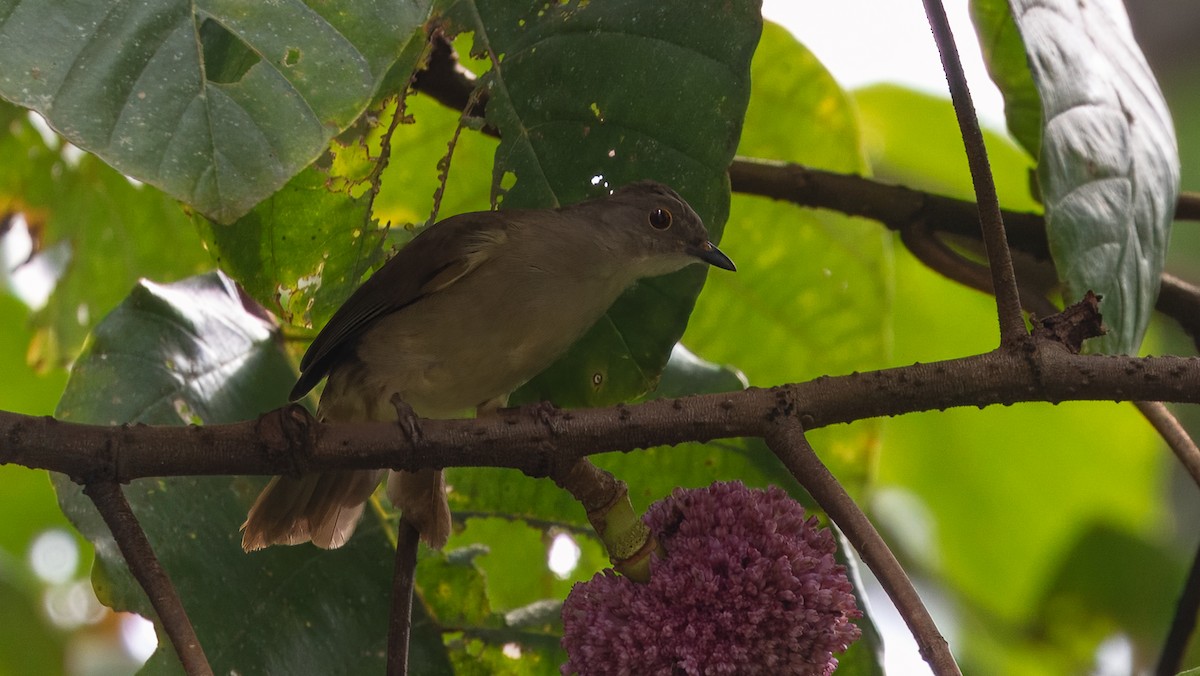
column 468, row 311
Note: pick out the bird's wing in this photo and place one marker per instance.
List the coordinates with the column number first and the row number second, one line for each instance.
column 434, row 260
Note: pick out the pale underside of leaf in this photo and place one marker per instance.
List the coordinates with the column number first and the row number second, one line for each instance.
column 1109, row 165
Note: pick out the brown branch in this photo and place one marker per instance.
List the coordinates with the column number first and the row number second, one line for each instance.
column 1187, row 207
column 892, row 205
column 1181, row 301
column 111, row 503
column 938, row 256
column 451, row 85
column 1004, row 278
column 899, row 208
column 447, row 82
column 288, row 440
column 1183, row 623
column 408, row 539
column 787, row 441
column 1172, row 432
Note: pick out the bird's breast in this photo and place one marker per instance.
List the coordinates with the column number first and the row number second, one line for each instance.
column 476, row 341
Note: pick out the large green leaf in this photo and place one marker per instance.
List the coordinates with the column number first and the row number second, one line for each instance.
column 305, row 249
column 1004, row 57
column 302, row 251
column 216, row 102
column 638, row 91
column 192, row 353
column 1108, row 163
column 811, row 286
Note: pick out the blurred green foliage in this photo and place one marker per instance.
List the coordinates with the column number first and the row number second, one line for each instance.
column 1047, row 529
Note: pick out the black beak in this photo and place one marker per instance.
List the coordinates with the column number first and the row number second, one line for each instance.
column 709, row 253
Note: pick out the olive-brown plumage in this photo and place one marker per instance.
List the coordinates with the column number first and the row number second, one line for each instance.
column 468, row 311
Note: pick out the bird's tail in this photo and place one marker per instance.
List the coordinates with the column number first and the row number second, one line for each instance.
column 325, row 507
column 321, row 507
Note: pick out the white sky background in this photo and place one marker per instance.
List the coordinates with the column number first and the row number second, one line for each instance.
column 866, row 41
column 863, row 42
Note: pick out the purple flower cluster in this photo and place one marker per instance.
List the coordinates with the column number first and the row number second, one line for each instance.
column 748, row 586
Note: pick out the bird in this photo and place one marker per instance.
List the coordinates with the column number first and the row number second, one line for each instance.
column 468, row 311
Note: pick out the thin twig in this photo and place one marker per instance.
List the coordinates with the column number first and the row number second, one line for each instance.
column 1172, row 432
column 1187, row 207
column 1180, row 300
column 895, row 206
column 400, row 625
column 1183, row 623
column 898, row 208
column 146, row 569
column 937, row 256
column 787, row 441
column 385, row 143
column 1004, row 279
column 591, row 486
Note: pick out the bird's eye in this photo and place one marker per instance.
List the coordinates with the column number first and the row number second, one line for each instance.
column 660, row 219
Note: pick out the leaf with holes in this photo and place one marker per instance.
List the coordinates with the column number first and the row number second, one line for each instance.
column 640, row 90
column 1108, row 162
column 302, row 251
column 216, row 102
